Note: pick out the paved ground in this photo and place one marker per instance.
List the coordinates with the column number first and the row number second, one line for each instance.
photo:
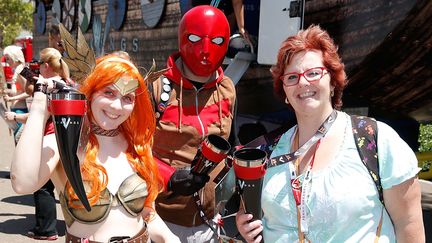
column 17, row 211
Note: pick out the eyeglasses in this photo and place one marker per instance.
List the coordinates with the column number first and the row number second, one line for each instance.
column 40, row 62
column 311, row 75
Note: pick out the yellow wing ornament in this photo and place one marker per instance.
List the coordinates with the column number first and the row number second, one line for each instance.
column 152, row 75
column 80, row 57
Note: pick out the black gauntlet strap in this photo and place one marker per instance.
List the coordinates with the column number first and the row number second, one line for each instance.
column 40, row 87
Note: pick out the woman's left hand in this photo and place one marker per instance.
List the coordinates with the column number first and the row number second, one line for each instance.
column 148, row 214
column 8, row 92
column 250, row 230
column 7, row 98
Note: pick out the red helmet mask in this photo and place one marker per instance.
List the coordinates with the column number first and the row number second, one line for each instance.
column 203, row 39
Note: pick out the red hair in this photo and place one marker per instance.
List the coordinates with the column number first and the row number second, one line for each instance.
column 313, row 38
column 138, row 130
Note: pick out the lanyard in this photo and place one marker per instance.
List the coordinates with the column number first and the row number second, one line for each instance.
column 201, row 212
column 301, row 191
column 296, row 185
column 320, row 133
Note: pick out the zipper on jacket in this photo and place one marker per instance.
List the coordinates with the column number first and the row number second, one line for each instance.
column 196, row 110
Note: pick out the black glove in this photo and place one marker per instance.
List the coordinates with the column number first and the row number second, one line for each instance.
column 184, row 182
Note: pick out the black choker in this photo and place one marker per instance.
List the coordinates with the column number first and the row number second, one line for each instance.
column 102, row 132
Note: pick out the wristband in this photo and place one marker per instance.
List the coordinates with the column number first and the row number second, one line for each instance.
column 40, row 87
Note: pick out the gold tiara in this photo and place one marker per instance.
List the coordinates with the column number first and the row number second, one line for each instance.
column 126, row 85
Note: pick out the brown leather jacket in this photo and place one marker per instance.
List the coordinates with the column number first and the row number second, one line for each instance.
column 208, row 110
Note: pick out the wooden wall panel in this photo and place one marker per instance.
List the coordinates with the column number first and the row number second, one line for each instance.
column 141, row 42
column 385, row 45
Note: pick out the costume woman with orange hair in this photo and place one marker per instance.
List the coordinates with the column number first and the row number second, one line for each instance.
column 119, row 174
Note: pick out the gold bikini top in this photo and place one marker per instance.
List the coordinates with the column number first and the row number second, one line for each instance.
column 131, row 195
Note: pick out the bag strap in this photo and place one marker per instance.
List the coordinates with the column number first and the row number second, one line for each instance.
column 365, row 133
column 161, row 102
column 233, row 138
column 268, row 141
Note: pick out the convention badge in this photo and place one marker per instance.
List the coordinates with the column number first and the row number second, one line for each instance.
column 166, row 88
column 126, row 85
column 166, row 81
column 161, row 107
column 164, row 96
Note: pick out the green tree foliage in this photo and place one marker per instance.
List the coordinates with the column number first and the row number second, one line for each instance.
column 425, row 138
column 15, row 16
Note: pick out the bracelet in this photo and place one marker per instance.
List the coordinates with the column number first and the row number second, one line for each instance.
column 40, row 87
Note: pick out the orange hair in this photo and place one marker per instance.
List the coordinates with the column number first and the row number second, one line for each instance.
column 313, row 38
column 138, row 130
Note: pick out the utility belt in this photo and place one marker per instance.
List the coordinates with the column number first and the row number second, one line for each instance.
column 141, row 237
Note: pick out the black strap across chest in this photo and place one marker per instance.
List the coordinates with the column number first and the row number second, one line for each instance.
column 365, row 133
column 160, row 103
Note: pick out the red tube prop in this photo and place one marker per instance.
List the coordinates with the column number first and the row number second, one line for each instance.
column 68, row 111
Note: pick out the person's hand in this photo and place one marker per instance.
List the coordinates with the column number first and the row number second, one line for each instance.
column 184, row 182
column 8, row 92
column 10, row 115
column 147, row 213
column 244, row 33
column 247, row 228
column 7, row 98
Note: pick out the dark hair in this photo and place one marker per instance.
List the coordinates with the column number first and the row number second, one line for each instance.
column 249, row 131
column 313, row 38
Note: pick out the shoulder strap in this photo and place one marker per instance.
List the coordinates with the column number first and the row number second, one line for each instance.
column 268, row 141
column 161, row 102
column 366, row 136
column 150, row 89
column 233, row 138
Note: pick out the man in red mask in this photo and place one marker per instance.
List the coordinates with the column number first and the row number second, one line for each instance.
column 193, row 99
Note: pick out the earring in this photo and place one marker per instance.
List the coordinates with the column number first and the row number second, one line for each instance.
column 286, row 101
column 332, row 93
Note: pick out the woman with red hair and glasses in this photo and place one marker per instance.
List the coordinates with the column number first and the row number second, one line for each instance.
column 119, row 174
column 317, row 188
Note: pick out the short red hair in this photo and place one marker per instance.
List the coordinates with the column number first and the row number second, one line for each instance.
column 313, row 38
